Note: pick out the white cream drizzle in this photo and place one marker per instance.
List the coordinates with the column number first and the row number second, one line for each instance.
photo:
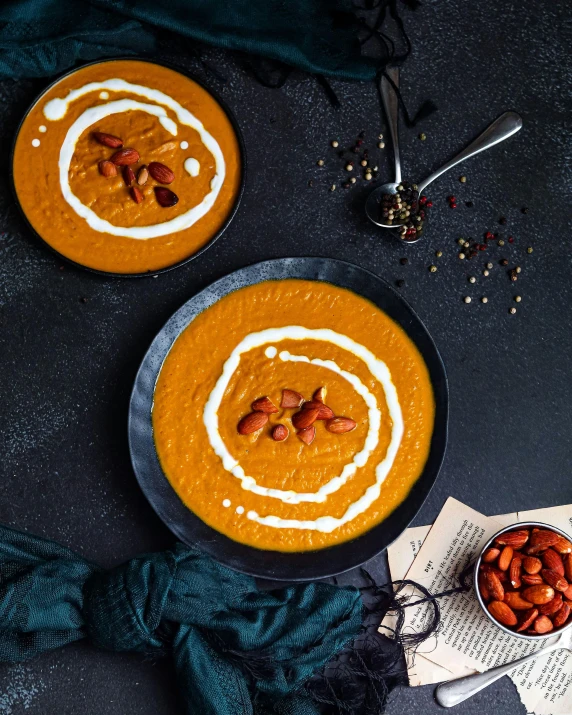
column 377, row 368
column 104, row 95
column 57, row 108
column 192, row 166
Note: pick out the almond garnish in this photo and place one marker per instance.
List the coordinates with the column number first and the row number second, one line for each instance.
column 340, row 425
column 252, row 422
column 161, row 173
column 165, row 197
column 320, row 395
column 291, row 398
column 107, row 168
column 142, row 175
column 307, row 435
column 280, row 433
column 324, row 412
column 264, row 404
column 304, row 419
column 136, row 194
column 128, row 175
column 108, row 140
column 124, row 157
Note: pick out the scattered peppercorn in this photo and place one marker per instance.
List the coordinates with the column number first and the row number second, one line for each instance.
column 423, row 136
column 472, row 279
column 363, row 162
column 501, row 242
column 368, row 176
column 510, row 239
column 512, row 311
column 353, row 180
column 529, row 249
column 489, row 265
column 346, row 185
column 524, row 210
column 461, row 241
column 400, row 283
column 518, row 269
column 503, row 262
column 333, row 187
column 461, row 256
column 320, row 162
column 438, row 254
column 469, row 204
column 380, row 136
column 83, row 300
column 463, row 179
column 484, row 299
column 404, row 261
column 485, row 272
column 432, row 269
column 335, row 144
column 349, row 167
column 466, row 244
column 310, row 183
column 518, row 298
column 467, row 299
column 381, row 145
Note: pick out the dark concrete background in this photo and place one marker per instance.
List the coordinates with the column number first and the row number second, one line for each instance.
column 67, row 366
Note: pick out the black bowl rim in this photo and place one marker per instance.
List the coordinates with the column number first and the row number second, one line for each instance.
column 189, row 528
column 168, row 65
column 512, row 527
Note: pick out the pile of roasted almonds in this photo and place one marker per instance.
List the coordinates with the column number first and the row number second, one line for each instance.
column 309, row 411
column 525, row 579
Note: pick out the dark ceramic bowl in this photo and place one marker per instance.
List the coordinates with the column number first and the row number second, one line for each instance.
column 272, row 564
column 242, row 149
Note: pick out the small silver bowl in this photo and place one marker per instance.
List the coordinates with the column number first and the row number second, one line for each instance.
column 490, row 542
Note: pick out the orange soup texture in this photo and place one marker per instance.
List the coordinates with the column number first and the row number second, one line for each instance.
column 37, row 179
column 194, row 365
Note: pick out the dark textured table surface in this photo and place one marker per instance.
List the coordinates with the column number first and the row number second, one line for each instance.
column 67, row 365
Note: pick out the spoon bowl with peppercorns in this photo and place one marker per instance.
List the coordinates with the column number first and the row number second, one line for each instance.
column 403, row 206
column 523, row 582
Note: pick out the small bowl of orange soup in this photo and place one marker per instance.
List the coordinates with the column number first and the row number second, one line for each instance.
column 128, row 167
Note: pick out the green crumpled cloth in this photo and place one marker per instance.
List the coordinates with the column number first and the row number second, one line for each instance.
column 212, row 621
column 40, row 38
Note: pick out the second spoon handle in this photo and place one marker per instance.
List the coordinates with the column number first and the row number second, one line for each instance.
column 391, row 107
column 507, row 124
column 454, row 692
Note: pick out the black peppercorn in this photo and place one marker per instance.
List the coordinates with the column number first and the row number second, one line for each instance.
column 469, row 204
column 404, row 261
column 400, row 283
column 502, row 220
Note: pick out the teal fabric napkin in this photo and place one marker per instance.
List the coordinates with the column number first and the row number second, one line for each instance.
column 237, row 650
column 40, row 38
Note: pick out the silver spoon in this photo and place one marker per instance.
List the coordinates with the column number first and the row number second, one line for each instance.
column 455, row 691
column 505, row 126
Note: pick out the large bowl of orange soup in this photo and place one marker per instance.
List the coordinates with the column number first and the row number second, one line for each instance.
column 291, row 418
column 128, row 167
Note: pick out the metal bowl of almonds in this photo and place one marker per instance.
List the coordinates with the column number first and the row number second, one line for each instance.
column 523, row 580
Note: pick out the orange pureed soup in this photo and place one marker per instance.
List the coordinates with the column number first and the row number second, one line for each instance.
column 351, row 456
column 100, row 221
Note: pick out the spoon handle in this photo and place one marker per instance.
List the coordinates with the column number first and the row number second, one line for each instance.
column 507, row 124
column 456, row 691
column 391, row 108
